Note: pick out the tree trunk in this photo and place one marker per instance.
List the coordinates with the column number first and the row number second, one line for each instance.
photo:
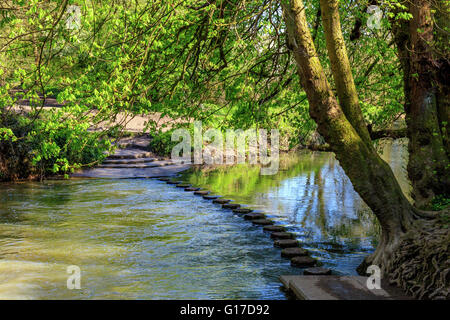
column 426, row 105
column 340, row 67
column 371, row 177
column 404, row 231
column 442, row 9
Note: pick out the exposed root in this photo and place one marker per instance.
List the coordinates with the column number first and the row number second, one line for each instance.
column 420, row 265
column 428, row 214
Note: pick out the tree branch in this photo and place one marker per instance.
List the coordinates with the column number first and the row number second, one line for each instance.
column 387, row 133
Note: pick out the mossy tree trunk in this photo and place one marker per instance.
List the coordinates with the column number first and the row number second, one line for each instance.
column 426, row 102
column 341, row 69
column 441, row 37
column 342, row 126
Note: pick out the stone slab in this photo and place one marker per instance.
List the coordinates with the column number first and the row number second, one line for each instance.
column 221, row 201
column 131, row 172
column 152, row 164
column 201, row 192
column 231, row 205
column 274, row 228
column 129, row 161
column 262, row 222
column 317, row 271
column 338, row 288
column 130, row 154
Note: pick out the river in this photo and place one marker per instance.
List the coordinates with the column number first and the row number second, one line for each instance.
column 144, row 239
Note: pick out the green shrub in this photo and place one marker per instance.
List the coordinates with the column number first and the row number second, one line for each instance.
column 162, row 144
column 49, row 144
column 440, row 202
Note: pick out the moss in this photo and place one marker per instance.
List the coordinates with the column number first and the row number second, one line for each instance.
column 47, row 146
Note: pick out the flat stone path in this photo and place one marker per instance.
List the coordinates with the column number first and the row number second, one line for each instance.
column 332, row 287
column 133, row 161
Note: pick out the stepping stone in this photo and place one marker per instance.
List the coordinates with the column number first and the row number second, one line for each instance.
column 294, row 252
column 262, row 222
column 303, row 262
column 231, row 205
column 191, row 189
column 254, row 216
column 129, row 166
column 281, row 235
column 173, row 182
column 130, row 154
column 274, row 228
column 183, row 185
column 201, row 192
column 317, row 271
column 285, row 243
column 128, row 161
column 242, row 210
column 333, row 287
column 221, row 201
column 208, row 197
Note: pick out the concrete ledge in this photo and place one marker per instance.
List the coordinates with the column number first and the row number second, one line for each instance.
column 338, row 288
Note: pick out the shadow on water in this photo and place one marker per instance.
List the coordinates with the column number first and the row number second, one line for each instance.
column 144, row 239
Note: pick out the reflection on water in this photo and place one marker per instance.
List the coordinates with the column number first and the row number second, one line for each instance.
column 312, row 196
column 144, row 239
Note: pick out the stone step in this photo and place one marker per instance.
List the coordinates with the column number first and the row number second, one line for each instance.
column 285, row 243
column 191, row 189
column 254, row 216
column 132, row 146
column 330, row 287
column 156, row 172
column 282, row 235
column 135, row 166
column 242, row 210
column 262, row 222
column 317, row 271
column 303, row 261
column 184, row 185
column 274, row 228
column 130, row 154
column 221, row 201
column 125, row 161
column 291, row 252
column 134, row 142
column 201, row 192
column 210, row 197
column 231, row 205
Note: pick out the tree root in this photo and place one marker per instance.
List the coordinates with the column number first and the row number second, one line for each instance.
column 429, row 214
column 420, row 265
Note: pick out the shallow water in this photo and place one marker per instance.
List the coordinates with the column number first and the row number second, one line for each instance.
column 313, row 198
column 144, row 239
